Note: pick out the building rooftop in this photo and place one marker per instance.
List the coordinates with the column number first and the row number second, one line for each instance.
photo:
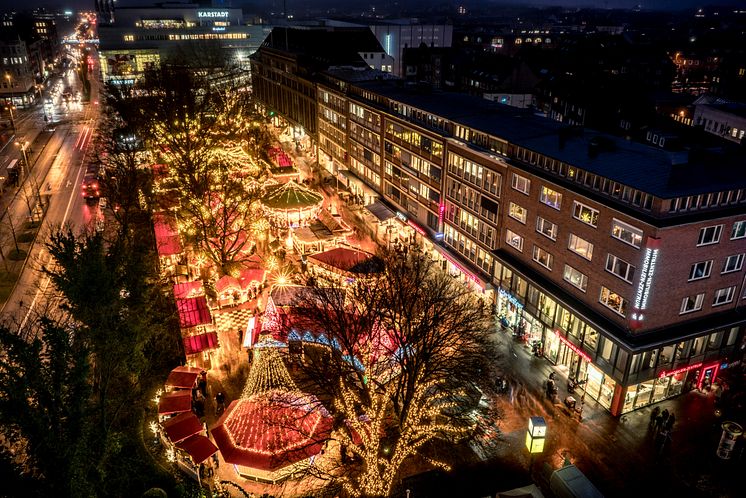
column 653, row 170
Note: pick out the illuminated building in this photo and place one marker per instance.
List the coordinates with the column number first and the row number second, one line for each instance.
column 132, row 39
column 625, row 260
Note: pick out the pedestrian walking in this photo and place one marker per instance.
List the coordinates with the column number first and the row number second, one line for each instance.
column 658, row 422
column 670, row 422
column 654, row 415
column 664, row 414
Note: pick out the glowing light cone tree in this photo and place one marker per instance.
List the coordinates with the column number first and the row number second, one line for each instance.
column 406, row 348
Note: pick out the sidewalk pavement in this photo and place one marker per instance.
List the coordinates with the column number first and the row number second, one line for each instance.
column 622, row 456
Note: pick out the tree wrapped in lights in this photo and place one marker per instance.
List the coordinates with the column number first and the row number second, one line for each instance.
column 221, row 219
column 409, row 344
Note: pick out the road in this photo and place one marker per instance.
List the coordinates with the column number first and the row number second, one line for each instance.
column 56, row 175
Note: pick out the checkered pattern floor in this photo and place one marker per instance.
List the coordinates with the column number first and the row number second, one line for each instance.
column 231, row 319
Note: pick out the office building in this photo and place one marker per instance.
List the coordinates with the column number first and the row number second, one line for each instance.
column 623, row 260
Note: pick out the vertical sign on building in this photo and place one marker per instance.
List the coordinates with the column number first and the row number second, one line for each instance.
column 642, row 293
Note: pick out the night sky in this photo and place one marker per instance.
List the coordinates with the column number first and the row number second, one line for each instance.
column 646, row 4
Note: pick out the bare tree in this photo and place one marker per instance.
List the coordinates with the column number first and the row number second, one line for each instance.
column 408, row 347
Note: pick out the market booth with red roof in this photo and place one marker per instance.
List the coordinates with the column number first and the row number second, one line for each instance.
column 183, row 377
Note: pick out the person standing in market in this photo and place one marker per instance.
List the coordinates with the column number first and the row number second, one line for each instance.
column 669, row 423
column 654, row 416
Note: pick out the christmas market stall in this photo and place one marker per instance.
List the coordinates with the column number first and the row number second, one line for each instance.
column 168, row 244
column 182, row 377
column 229, row 291
column 274, row 431
column 344, row 263
column 185, row 441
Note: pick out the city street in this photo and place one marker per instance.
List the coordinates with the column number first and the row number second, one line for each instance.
column 57, row 156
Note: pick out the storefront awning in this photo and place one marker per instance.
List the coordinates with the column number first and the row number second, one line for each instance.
column 380, row 211
column 198, row 447
column 183, row 377
column 193, row 312
column 175, row 402
column 197, row 343
column 182, row 426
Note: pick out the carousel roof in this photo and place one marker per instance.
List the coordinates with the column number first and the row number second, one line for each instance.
column 290, row 195
column 272, row 425
column 269, row 431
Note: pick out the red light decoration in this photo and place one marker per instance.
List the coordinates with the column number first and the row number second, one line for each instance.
column 416, row 228
column 702, row 372
column 679, row 370
column 441, row 213
column 573, row 347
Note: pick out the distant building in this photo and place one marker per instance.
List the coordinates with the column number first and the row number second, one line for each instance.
column 132, row 39
column 18, row 70
column 720, row 117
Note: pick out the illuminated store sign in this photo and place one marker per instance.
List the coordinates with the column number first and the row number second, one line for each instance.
column 212, row 14
column 511, row 299
column 573, row 347
column 679, row 370
column 646, row 278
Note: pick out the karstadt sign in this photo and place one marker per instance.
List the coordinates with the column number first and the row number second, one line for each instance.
column 212, row 14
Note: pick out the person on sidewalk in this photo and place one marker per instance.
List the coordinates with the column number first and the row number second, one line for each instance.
column 664, row 414
column 669, row 423
column 654, row 415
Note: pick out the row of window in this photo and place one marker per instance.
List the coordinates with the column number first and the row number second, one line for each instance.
column 694, row 303
column 702, row 201
column 581, row 212
column 703, row 269
column 712, row 234
column 602, row 184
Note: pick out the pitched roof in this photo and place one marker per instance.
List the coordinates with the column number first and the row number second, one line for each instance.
column 325, row 46
column 198, row 447
column 193, row 312
column 183, row 377
column 182, row 426
column 348, row 260
column 175, row 402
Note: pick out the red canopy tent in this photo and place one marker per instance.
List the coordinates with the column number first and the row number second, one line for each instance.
column 193, row 312
column 186, row 290
column 183, row 377
column 182, row 426
column 166, row 235
column 270, row 431
column 347, row 261
column 197, row 343
column 251, row 275
column 175, row 402
column 226, row 282
column 199, row 447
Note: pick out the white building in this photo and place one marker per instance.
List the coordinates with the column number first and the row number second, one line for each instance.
column 721, row 117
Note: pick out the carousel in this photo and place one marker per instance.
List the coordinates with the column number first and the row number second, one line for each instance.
column 290, row 205
column 274, row 431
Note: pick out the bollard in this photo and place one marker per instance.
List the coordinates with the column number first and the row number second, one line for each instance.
column 731, row 432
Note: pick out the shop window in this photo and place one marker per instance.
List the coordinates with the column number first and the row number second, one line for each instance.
column 698, row 347
column 629, row 399
column 607, row 349
column 519, row 286
column 666, row 355
column 660, row 389
column 547, row 305
column 533, row 296
column 732, row 335
column 714, row 340
column 565, row 318
column 576, row 330
column 644, row 393
column 635, row 364
column 591, row 338
column 507, row 279
column 683, row 350
column 621, row 360
column 607, row 392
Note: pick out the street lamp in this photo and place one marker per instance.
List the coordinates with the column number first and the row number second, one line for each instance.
column 10, row 105
column 24, row 146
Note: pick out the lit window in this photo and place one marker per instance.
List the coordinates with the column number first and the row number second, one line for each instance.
column 514, row 240
column 724, row 296
column 129, row 38
column 700, row 270
column 739, row 230
column 550, row 197
column 521, row 183
column 576, row 278
column 692, row 303
column 733, row 263
column 580, row 247
column 517, row 212
column 586, row 214
column 546, row 227
column 710, row 235
column 620, row 268
column 613, row 301
column 626, row 233
column 542, row 257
